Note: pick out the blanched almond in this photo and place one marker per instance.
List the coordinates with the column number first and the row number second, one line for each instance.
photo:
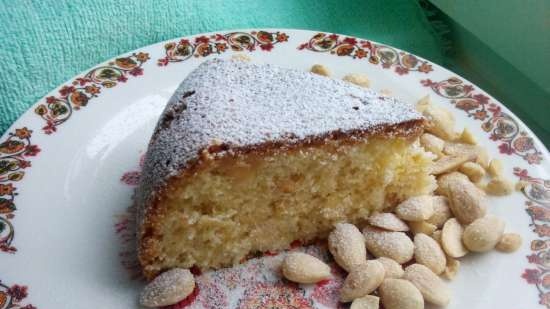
column 452, row 268
column 388, row 221
column 483, row 234
column 467, row 201
column 473, row 170
column 495, row 168
column 417, row 208
column 392, row 268
column 467, row 137
column 509, row 242
column 366, row 302
column 430, row 286
column 447, row 163
column 400, row 294
column 362, row 280
column 440, row 122
column 443, row 182
column 320, row 69
column 451, row 239
column 394, row 245
column 241, row 57
column 168, row 288
column 442, row 211
column 428, row 253
column 358, row 79
column 423, row 103
column 499, row 186
column 422, row 227
column 432, row 144
column 483, row 158
column 347, row 245
column 304, row 268
column 461, row 150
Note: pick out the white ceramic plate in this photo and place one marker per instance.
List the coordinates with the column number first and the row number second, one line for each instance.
column 68, row 167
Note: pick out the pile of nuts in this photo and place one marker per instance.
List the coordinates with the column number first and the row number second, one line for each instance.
column 428, row 233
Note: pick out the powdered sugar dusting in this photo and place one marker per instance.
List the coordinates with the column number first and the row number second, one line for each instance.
column 237, row 104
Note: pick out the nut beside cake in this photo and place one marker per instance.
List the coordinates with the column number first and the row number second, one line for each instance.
column 249, row 158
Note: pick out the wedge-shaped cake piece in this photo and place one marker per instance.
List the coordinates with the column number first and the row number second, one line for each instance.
column 249, row 158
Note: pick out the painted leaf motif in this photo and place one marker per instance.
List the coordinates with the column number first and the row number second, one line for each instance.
column 11, row 146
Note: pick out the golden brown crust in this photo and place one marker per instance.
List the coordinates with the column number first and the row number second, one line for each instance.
column 149, row 229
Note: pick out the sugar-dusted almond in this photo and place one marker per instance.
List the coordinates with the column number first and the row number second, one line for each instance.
column 432, row 144
column 461, row 150
column 473, row 170
column 499, row 186
column 467, row 137
column 394, row 245
column 443, row 182
column 366, row 302
column 495, row 168
column 509, row 242
column 362, row 280
column 423, row 103
column 320, row 69
column 447, row 163
column 483, row 234
column 422, row 227
column 241, row 57
column 451, row 239
column 428, row 252
column 392, row 268
column 432, row 288
column 440, row 122
column 304, row 268
column 388, row 221
column 442, row 211
column 483, row 158
column 347, row 245
column 452, row 268
column 467, row 201
column 416, row 208
column 400, row 294
column 358, row 79
column 168, row 288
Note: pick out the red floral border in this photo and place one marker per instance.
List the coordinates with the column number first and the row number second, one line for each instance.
column 11, row 297
column 387, row 56
column 203, row 46
column 14, row 153
column 58, row 109
column 500, row 125
column 537, row 193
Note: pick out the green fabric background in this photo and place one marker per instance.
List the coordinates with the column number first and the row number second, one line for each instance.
column 44, row 43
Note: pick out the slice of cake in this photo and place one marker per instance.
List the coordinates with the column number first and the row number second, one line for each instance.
column 248, row 158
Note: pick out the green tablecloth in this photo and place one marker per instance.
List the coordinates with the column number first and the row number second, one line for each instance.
column 46, row 42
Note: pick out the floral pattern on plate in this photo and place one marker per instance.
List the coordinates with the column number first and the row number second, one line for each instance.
column 387, row 56
column 58, row 109
column 11, row 297
column 14, row 154
column 537, row 192
column 204, row 46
